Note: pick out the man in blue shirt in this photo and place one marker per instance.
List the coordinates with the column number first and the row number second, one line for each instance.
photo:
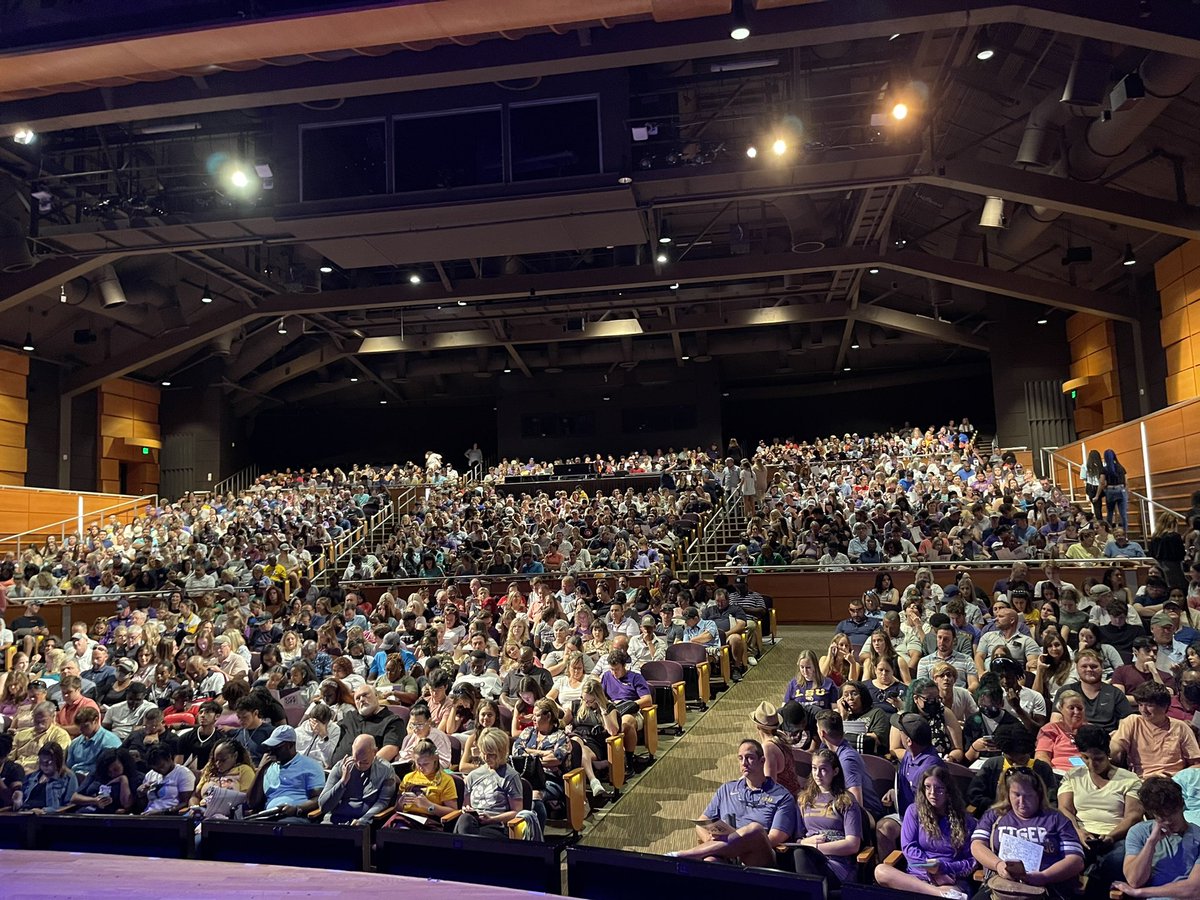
column 859, row 627
column 700, row 631
column 286, row 783
column 1162, row 855
column 747, row 818
column 84, row 750
column 831, row 731
column 1121, row 547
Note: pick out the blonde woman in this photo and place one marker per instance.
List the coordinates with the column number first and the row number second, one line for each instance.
column 840, row 663
column 590, row 721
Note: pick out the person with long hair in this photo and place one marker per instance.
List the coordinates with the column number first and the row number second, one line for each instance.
column 1116, row 496
column 809, row 686
column 50, row 786
column 855, row 705
column 487, row 715
column 887, row 690
column 1055, row 668
column 1166, row 547
column 878, row 645
column 885, row 589
column 1021, row 810
column 224, row 782
column 925, row 699
column 1092, row 473
column 779, row 762
column 830, row 822
column 935, row 839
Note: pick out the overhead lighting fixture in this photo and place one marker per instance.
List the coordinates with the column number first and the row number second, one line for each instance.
column 894, row 36
column 414, row 278
column 845, row 368
column 383, row 401
column 743, row 65
column 625, row 179
column 675, row 286
column 1130, row 257
column 165, row 383
column 854, row 346
column 993, row 215
column 900, row 111
column 326, row 270
column 1043, row 321
column 752, row 151
column 724, row 393
column 613, row 328
column 685, row 358
column 606, row 398
column 662, row 257
column 872, row 271
column 166, row 127
column 28, row 345
column 206, row 296
column 985, row 54
column 779, row 147
column 25, row 136
column 111, row 292
column 240, row 179
column 353, row 379
column 739, row 28
column 508, row 371
column 62, row 293
column 664, row 234
column 282, row 326
column 462, row 302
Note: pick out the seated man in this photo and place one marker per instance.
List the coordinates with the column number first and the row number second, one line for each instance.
column 286, row 784
column 476, row 671
column 1152, row 743
column 71, row 701
column 370, row 717
column 421, row 728
column 1162, row 854
column 1016, row 744
column 231, row 663
column 859, row 627
column 747, row 818
column 734, row 626
column 121, row 718
column 359, row 788
column 1025, row 703
column 1144, row 668
column 526, row 667
column 944, row 651
column 630, row 693
column 1103, row 704
column 28, row 741
column 93, row 740
column 1120, row 632
column 252, row 730
column 919, row 755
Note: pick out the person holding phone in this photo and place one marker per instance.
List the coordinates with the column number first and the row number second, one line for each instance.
column 935, row 838
column 1022, row 810
column 427, row 791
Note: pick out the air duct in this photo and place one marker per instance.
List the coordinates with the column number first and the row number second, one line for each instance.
column 1087, row 82
column 15, row 255
column 804, row 222
column 222, row 344
column 1096, row 144
column 111, row 292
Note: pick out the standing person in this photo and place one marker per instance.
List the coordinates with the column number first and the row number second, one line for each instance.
column 1116, row 497
column 1162, row 854
column 935, row 838
column 749, row 487
column 1092, row 473
column 831, row 820
column 747, row 818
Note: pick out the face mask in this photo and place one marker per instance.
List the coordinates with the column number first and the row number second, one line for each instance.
column 1191, row 693
column 932, row 707
column 992, row 712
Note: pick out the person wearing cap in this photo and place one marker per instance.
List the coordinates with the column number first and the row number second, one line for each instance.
column 646, row 646
column 1151, row 596
column 1186, row 621
column 1016, row 744
column 1104, row 705
column 780, row 763
column 286, row 783
column 359, row 788
column 916, row 740
column 746, row 818
column 1028, row 705
column 1172, row 653
column 1152, row 743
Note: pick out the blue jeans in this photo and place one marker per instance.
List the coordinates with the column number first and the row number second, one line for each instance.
column 1117, row 499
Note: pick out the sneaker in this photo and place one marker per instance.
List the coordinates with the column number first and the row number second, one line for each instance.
column 752, row 660
column 597, row 787
column 953, row 894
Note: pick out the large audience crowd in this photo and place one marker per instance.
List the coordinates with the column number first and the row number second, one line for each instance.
column 1034, row 729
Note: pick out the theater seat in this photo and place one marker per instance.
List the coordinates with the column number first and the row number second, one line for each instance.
column 668, row 676
column 694, row 660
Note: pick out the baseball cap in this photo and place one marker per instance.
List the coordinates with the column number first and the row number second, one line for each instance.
column 1002, row 664
column 1173, row 604
column 648, row 622
column 284, row 734
column 127, row 665
column 913, row 725
column 1161, row 618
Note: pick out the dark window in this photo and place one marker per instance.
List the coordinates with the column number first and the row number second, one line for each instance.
column 550, row 425
column 448, row 150
column 554, row 139
column 658, row 418
column 348, row 160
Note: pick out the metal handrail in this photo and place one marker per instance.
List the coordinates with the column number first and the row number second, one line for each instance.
column 1122, row 561
column 237, row 482
column 44, row 530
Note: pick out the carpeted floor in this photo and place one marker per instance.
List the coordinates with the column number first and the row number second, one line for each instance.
column 655, row 814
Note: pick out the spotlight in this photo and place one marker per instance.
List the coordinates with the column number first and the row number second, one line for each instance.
column 353, row 379
column 854, row 346
column 1043, row 321
column 685, row 358
column 111, row 292
column 752, row 151
column 207, row 296
column 165, row 383
column 1130, row 257
column 508, row 371
column 739, row 29
column 326, row 270
column 992, row 215
column 462, row 302
column 383, row 401
column 662, row 257
column 239, row 178
column 414, row 278
column 900, row 111
column 675, row 286
column 62, row 293
column 28, row 345
column 664, row 235
column 282, row 326
column 779, row 147
column 25, row 136
column 625, row 179
column 985, row 54
column 845, row 368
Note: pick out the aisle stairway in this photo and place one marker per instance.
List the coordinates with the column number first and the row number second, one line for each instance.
column 725, row 528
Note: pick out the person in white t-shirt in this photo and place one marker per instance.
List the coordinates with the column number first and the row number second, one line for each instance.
column 168, row 785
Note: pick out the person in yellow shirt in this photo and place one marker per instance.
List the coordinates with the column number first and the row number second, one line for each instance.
column 28, row 741
column 427, row 791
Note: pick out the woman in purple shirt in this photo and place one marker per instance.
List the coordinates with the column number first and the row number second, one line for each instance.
column 809, row 687
column 830, row 822
column 936, row 840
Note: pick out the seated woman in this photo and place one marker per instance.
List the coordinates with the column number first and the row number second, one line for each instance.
column 335, row 694
column 494, row 793
column 887, row 690
column 866, row 725
column 426, row 793
column 528, row 693
column 168, row 785
column 879, row 646
column 540, row 753
column 955, row 698
column 1056, row 740
column 487, row 715
column 460, row 718
column 839, row 662
column 979, row 729
column 1055, row 668
column 830, row 822
column 590, row 721
column 224, row 783
column 1023, row 810
column 935, row 838
column 50, row 787
column 1101, row 801
column 925, row 700
column 809, row 686
column 112, row 788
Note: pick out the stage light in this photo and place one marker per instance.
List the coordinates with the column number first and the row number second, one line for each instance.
column 662, row 257
column 239, row 178
column 28, row 345
column 779, row 147
column 664, row 234
column 1130, row 257
column 1043, row 321
column 25, row 136
column 353, row 379
column 508, row 371
column 739, row 29
column 206, row 296
column 752, row 151
column 282, row 326
column 900, row 112
column 992, row 215
column 165, row 383
column 414, row 278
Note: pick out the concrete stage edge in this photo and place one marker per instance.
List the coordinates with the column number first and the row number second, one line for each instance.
column 39, row 875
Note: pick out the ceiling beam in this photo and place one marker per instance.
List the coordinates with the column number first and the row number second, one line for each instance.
column 301, row 365
column 1076, row 197
column 18, row 288
column 923, row 325
column 590, row 281
column 517, row 360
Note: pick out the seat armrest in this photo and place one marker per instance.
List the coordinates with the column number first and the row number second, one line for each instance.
column 895, row 859
column 865, row 856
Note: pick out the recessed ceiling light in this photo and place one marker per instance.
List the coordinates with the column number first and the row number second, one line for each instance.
column 685, row 358
column 661, row 258
column 1043, row 321
column 893, row 37
column 166, row 383
column 353, row 378
column 752, row 151
column 675, row 286
column 854, row 346
column 414, row 278
column 846, row 369
column 985, row 54
column 508, row 371
column 606, row 398
column 462, row 302
column 326, row 270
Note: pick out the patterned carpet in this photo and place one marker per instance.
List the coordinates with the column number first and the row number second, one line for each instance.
column 654, row 815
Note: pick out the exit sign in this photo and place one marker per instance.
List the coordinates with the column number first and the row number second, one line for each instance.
column 145, row 451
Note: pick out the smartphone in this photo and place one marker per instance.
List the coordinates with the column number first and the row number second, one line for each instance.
column 923, row 864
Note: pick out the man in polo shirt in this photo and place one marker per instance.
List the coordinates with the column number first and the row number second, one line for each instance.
column 93, row 740
column 858, row 627
column 831, row 732
column 286, row 783
column 1103, row 704
column 71, row 702
column 946, row 635
column 1162, row 854
column 370, row 717
column 749, row 816
column 623, row 686
column 919, row 755
column 1022, row 646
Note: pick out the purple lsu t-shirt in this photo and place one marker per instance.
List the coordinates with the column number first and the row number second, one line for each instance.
column 1049, row 829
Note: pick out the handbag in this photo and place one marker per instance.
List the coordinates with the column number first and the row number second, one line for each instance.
column 1007, row 889
column 628, row 708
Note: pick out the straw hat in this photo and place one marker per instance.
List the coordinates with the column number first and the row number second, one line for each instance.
column 766, row 715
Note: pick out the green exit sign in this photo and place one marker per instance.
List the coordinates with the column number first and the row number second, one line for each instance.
column 146, row 450
column 1074, row 394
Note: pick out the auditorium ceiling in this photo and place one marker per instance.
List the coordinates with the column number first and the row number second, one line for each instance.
column 458, row 198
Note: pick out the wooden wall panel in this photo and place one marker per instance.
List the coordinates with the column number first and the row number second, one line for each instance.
column 128, row 421
column 1177, row 276
column 14, row 416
